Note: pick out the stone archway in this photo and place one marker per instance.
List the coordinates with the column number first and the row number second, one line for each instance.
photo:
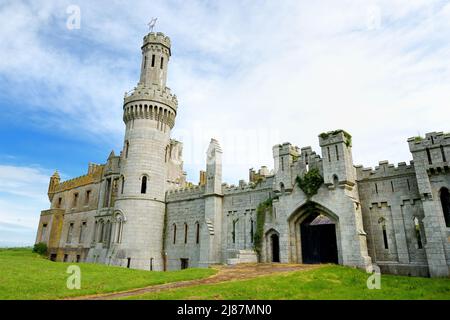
column 272, row 246
column 314, row 235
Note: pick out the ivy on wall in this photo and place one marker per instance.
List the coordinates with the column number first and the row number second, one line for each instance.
column 311, row 182
column 348, row 136
column 261, row 211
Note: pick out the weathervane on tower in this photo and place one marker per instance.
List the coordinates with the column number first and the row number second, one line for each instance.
column 151, row 24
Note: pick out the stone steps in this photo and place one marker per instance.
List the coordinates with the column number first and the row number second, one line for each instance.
column 243, row 256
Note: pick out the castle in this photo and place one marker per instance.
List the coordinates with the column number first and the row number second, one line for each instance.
column 138, row 211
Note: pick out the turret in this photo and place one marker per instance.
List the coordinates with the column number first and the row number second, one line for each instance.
column 214, row 168
column 284, row 156
column 149, row 114
column 54, row 182
column 337, row 161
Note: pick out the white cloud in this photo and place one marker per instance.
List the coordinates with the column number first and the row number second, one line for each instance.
column 23, row 194
column 292, row 68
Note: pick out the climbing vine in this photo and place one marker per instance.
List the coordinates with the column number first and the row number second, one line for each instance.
column 311, row 182
column 263, row 208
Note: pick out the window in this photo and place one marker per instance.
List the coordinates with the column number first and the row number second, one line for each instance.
column 145, row 62
column 337, row 152
column 252, row 232
column 58, row 206
column 153, row 61
column 75, row 200
column 429, row 156
column 443, row 154
column 376, row 188
column 128, row 262
column 185, row 233
column 392, row 186
column 127, row 148
column 162, row 62
column 88, row 196
column 151, row 264
column 82, row 232
column 233, row 233
column 44, row 231
column 123, row 185
column 70, row 233
column 445, row 202
column 385, row 239
column 144, row 185
column 197, row 233
column 107, row 192
column 409, row 186
column 282, row 187
column 329, row 155
column 282, row 163
column 174, row 233
column 66, row 258
column 417, row 231
column 119, row 228
column 78, row 258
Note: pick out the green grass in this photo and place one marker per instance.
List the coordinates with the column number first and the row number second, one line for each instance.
column 26, row 275
column 328, row 282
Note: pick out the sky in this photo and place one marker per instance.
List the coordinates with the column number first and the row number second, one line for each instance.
column 251, row 74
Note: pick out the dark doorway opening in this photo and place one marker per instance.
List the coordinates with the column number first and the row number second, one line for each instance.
column 318, row 236
column 184, row 263
column 53, row 257
column 275, row 242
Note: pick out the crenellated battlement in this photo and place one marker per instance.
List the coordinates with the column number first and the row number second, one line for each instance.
column 431, row 140
column 157, row 38
column 333, row 137
column 243, row 186
column 185, row 193
column 151, row 92
column 94, row 176
column 384, row 170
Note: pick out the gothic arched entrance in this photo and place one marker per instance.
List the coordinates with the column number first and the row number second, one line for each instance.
column 318, row 239
column 275, row 244
column 314, row 235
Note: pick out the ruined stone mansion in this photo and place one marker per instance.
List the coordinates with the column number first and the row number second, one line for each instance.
column 138, row 211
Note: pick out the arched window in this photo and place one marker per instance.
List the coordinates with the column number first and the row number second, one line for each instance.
column 185, row 232
column 197, row 233
column 144, row 185
column 445, row 201
column 119, row 228
column 174, row 233
column 417, row 231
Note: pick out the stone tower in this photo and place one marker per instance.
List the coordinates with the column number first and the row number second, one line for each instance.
column 149, row 115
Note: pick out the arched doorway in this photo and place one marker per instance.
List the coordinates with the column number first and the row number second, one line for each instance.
column 314, row 235
column 318, row 239
column 275, row 246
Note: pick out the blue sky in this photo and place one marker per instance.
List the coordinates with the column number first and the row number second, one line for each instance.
column 249, row 73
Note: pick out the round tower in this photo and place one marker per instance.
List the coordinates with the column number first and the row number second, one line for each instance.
column 149, row 114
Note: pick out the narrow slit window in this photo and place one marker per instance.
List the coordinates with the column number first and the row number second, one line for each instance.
column 429, row 156
column 392, row 186
column 185, row 233
column 144, row 185
column 337, row 152
column 385, row 238
column 197, row 233
column 174, row 233
column 153, row 60
column 417, row 230
column 376, row 188
column 145, row 62
column 162, row 62
column 329, row 155
column 443, row 154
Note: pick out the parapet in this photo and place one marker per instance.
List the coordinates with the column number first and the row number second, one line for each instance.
column 151, row 92
column 336, row 136
column 92, row 177
column 285, row 149
column 157, row 38
column 419, row 143
column 185, row 193
column 384, row 170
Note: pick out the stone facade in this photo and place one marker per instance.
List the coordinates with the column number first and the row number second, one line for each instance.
column 138, row 211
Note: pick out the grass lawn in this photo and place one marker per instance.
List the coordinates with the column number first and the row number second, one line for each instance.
column 26, row 275
column 327, row 282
